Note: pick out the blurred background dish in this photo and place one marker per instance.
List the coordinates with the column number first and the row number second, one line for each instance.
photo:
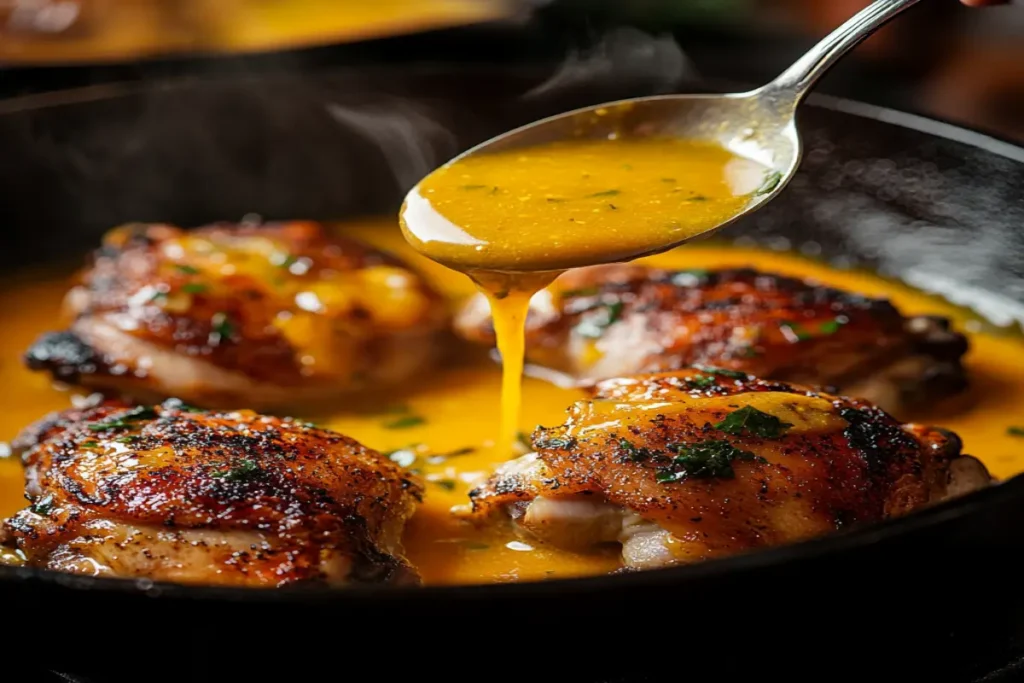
column 944, row 60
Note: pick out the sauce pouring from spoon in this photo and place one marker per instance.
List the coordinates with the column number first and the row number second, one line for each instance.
column 612, row 183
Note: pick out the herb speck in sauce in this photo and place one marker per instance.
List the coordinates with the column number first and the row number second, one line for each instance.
column 704, row 460
column 752, row 421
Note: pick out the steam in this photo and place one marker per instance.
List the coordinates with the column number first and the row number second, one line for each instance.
column 625, row 54
column 412, row 142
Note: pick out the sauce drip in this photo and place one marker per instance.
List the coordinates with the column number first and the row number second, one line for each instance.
column 514, row 220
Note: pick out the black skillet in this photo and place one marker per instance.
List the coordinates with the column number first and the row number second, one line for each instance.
column 936, row 596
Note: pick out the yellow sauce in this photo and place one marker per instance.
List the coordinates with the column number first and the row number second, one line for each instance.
column 514, row 220
column 456, row 407
column 575, row 203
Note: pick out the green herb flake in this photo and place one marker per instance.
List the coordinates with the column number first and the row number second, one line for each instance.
column 126, row 421
column 284, row 260
column 44, row 505
column 1015, row 431
column 91, row 444
column 721, row 372
column 127, row 439
column 795, row 332
column 697, row 198
column 405, row 422
column 466, row 450
column 603, row 317
column 187, row 269
column 556, row 200
column 157, row 296
column 832, row 326
column 446, row 484
column 473, row 187
column 613, row 207
column 700, row 382
column 633, row 452
column 754, row 422
column 771, row 181
column 605, row 193
column 194, row 288
column 245, row 470
column 223, row 328
column 705, row 460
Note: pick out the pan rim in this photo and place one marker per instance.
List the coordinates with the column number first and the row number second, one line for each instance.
column 733, row 565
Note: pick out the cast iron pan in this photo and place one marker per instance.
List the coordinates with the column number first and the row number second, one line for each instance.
column 935, row 596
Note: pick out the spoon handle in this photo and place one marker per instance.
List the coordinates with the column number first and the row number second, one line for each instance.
column 795, row 81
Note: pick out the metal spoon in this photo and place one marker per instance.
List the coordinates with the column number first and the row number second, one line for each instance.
column 759, row 124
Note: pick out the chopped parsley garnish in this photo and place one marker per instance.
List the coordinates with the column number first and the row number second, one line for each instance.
column 700, row 382
column 554, row 442
column 223, row 328
column 721, row 372
column 284, row 260
column 126, row 421
column 605, row 193
column 91, row 444
column 633, row 452
column 127, row 439
column 244, row 470
column 602, row 317
column 1015, row 431
column 832, row 326
column 466, row 450
column 44, row 505
column 405, row 422
column 157, row 296
column 705, row 460
column 794, row 331
column 752, row 421
column 446, row 484
column 771, row 181
column 194, row 288
column 187, row 269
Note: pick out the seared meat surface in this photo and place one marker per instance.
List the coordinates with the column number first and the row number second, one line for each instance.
column 681, row 467
column 171, row 493
column 618, row 320
column 263, row 316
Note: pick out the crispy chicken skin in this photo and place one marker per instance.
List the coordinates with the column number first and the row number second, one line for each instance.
column 258, row 315
column 618, row 320
column 686, row 466
column 170, row 493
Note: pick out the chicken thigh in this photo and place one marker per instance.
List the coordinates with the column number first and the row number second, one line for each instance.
column 617, row 320
column 170, row 493
column 686, row 466
column 258, row 315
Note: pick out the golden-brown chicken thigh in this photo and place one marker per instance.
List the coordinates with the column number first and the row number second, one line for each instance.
column 263, row 316
column 618, row 320
column 170, row 493
column 681, row 467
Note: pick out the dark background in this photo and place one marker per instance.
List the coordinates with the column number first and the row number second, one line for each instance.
column 941, row 59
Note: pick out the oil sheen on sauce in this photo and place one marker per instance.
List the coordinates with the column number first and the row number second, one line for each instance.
column 514, row 220
column 454, row 445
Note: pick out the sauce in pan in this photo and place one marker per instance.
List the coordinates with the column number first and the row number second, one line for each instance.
column 445, row 426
